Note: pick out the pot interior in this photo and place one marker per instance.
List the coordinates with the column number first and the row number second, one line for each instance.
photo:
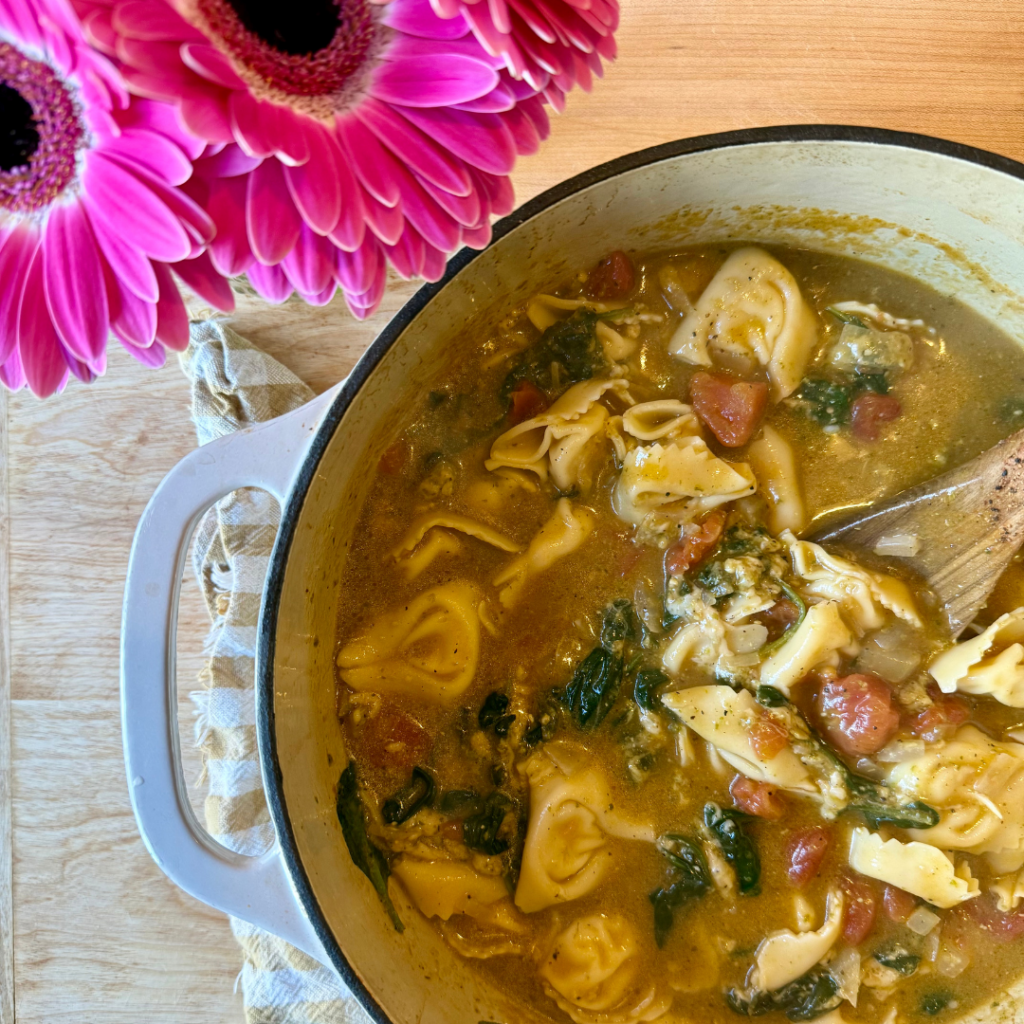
column 914, row 206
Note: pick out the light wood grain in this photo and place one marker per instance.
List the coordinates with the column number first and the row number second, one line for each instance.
column 6, row 895
column 100, row 935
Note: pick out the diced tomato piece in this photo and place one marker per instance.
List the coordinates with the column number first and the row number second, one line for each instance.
column 612, row 278
column 899, row 904
column 527, row 401
column 390, row 739
column 694, row 547
column 985, row 913
column 768, row 737
column 731, row 408
column 947, row 713
column 805, row 850
column 859, row 910
column 757, row 798
column 452, row 830
column 394, row 459
column 779, row 617
column 856, row 713
column 870, row 410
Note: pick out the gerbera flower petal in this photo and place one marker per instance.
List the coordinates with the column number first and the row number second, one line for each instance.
column 12, row 376
column 419, row 82
column 202, row 277
column 229, row 249
column 16, row 257
column 154, row 153
column 271, row 282
column 310, row 265
column 386, row 222
column 42, row 358
column 415, row 18
column 111, row 189
column 171, row 315
column 375, row 168
column 73, row 277
column 140, row 19
column 132, row 320
column 205, row 60
column 154, row 356
column 314, row 186
column 271, row 220
column 480, row 139
column 132, row 268
column 414, row 148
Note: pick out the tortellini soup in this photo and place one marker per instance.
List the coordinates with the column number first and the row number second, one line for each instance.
column 637, row 746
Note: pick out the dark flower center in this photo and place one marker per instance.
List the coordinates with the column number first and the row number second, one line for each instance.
column 40, row 133
column 297, row 28
column 19, row 138
column 308, row 54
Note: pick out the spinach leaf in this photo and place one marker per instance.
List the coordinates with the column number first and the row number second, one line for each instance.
column 736, row 846
column 645, row 686
column 365, row 855
column 847, row 318
column 935, row 1002
column 459, row 802
column 416, row 793
column 619, row 622
column 801, row 608
column 741, row 539
column 898, row 958
column 770, row 697
column 719, row 583
column 810, row 996
column 690, row 879
column 572, row 343
column 877, row 382
column 594, row 687
column 827, row 403
column 480, row 830
column 492, row 714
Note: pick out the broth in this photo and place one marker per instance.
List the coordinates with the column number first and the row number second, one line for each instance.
column 581, row 577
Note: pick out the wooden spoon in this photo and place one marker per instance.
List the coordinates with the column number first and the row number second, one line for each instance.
column 968, row 524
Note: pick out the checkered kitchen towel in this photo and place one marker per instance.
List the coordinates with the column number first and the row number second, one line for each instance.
column 235, row 385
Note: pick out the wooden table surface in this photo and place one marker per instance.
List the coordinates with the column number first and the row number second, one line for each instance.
column 98, row 934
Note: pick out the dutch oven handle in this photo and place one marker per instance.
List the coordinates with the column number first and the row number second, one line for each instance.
column 255, row 889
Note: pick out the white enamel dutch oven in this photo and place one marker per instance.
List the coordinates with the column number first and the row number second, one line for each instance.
column 947, row 214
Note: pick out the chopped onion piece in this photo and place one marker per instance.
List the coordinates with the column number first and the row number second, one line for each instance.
column 899, row 750
column 744, row 639
column 951, row 962
column 845, row 969
column 922, row 921
column 900, row 545
column 892, row 665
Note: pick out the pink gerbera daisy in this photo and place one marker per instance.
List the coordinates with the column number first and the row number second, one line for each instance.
column 342, row 135
column 90, row 211
column 540, row 40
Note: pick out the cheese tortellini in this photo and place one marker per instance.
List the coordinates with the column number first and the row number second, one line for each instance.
column 784, row 955
column 432, row 535
column 723, row 717
column 428, row 648
column 567, row 852
column 991, row 663
column 918, row 868
column 815, row 643
column 555, row 440
column 595, row 973
column 680, row 476
column 861, row 593
column 560, row 536
column 752, row 307
column 771, row 458
column 977, row 785
column 441, row 888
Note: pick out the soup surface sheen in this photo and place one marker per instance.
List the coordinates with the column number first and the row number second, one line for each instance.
column 635, row 748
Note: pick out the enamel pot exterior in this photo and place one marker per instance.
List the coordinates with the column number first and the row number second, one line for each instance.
column 949, row 215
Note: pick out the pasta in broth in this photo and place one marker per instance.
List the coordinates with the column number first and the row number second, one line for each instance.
column 636, row 748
